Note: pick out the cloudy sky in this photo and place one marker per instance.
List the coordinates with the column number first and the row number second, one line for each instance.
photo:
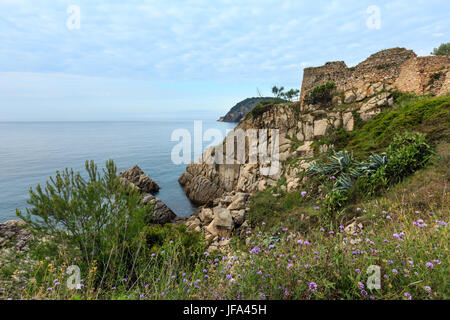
column 144, row 59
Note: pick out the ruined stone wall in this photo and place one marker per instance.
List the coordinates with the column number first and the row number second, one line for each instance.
column 398, row 67
column 424, row 75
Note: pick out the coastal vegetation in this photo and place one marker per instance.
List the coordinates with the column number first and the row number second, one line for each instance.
column 377, row 203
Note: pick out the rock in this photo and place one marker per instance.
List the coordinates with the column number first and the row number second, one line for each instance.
column 350, row 97
column 353, row 228
column 223, row 218
column 192, row 225
column 209, row 237
column 293, row 185
column 212, row 248
column 200, row 190
column 366, row 116
column 305, row 150
column 206, row 215
column 239, row 216
column 262, row 184
column 349, row 121
column 320, row 127
column 309, row 131
column 137, row 178
column 224, row 243
column 215, row 231
column 238, row 201
column 161, row 213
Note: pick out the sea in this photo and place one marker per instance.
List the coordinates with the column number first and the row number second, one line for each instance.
column 31, row 152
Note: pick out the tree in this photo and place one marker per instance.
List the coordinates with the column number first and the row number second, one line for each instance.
column 278, row 92
column 291, row 94
column 443, row 50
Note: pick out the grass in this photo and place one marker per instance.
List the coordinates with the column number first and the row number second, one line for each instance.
column 290, row 251
column 423, row 114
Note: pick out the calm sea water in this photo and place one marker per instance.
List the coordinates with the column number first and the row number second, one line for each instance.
column 31, row 152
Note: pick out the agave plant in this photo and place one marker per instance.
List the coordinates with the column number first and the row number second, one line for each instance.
column 344, row 182
column 368, row 168
column 338, row 163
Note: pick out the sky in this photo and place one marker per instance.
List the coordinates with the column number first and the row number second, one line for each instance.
column 95, row 60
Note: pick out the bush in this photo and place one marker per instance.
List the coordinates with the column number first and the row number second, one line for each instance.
column 407, row 153
column 335, row 201
column 94, row 221
column 321, row 94
column 102, row 226
column 443, row 50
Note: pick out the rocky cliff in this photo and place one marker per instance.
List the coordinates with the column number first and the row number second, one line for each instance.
column 240, row 110
column 359, row 93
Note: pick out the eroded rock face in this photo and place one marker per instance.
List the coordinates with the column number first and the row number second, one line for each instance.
column 204, row 182
column 199, row 189
column 138, row 179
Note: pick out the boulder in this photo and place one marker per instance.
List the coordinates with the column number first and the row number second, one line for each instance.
column 200, row 190
column 161, row 213
column 223, row 218
column 138, row 179
column 239, row 216
column 206, row 215
column 238, row 201
column 348, row 121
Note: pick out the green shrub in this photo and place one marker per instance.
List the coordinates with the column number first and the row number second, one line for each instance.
column 407, row 153
column 94, row 221
column 321, row 94
column 335, row 201
column 340, row 162
column 101, row 226
column 263, row 205
column 442, row 50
